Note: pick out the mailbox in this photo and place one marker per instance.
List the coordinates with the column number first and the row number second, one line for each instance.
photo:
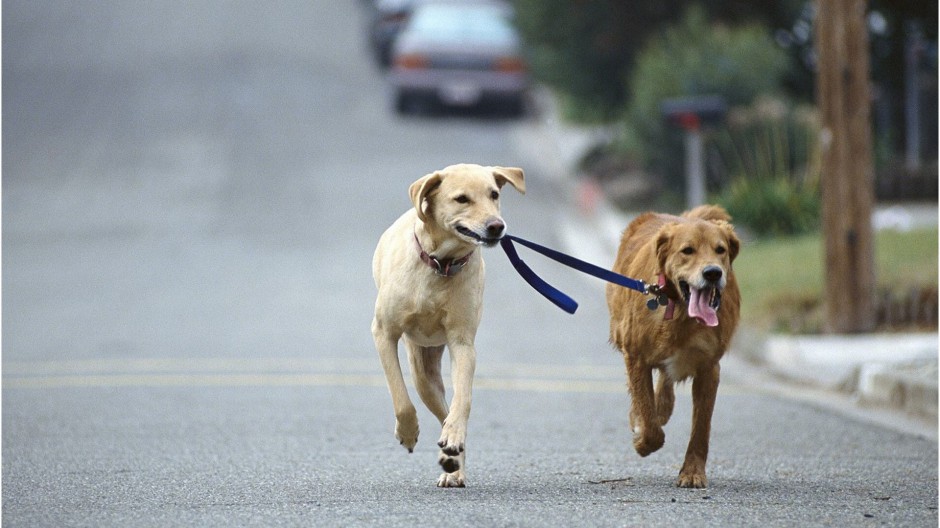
column 692, row 113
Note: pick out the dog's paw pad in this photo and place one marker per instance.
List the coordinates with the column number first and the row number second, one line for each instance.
column 449, row 464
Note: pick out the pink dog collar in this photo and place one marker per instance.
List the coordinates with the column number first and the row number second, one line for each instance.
column 670, row 304
column 444, row 268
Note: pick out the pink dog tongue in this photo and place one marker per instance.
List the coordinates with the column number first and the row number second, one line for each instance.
column 699, row 308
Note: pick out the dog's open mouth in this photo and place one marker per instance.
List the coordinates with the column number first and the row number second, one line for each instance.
column 488, row 242
column 703, row 303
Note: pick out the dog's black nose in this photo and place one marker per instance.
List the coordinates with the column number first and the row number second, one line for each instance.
column 495, row 228
column 712, row 273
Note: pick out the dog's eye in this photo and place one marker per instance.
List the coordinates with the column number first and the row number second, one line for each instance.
column 494, row 195
column 688, row 250
column 720, row 250
column 462, row 199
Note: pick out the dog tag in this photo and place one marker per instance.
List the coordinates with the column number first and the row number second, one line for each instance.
column 652, row 304
column 663, row 300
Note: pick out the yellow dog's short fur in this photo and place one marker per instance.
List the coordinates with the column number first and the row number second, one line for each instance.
column 693, row 253
column 456, row 210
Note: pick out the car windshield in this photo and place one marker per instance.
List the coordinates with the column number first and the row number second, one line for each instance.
column 462, row 22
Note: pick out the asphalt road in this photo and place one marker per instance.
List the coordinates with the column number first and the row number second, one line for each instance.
column 191, row 196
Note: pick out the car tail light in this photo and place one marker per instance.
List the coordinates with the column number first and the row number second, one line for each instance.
column 395, row 18
column 510, row 65
column 411, row 61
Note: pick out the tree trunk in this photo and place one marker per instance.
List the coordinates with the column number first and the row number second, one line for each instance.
column 847, row 184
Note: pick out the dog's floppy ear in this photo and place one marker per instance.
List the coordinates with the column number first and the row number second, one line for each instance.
column 420, row 190
column 512, row 175
column 663, row 243
column 734, row 244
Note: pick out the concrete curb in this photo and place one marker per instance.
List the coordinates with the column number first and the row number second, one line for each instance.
column 911, row 388
column 897, row 371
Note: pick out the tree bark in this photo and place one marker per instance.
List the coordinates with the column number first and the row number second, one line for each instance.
column 847, row 183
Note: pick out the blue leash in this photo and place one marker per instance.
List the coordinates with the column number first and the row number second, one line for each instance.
column 551, row 293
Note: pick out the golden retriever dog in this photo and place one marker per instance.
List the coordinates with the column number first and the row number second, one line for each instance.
column 429, row 273
column 690, row 256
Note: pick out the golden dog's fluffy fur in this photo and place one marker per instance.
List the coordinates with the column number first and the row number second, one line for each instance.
column 692, row 255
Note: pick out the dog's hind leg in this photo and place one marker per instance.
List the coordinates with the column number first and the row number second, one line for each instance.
column 406, row 417
column 665, row 397
column 426, row 372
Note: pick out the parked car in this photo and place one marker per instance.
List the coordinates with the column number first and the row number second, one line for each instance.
column 459, row 54
column 388, row 19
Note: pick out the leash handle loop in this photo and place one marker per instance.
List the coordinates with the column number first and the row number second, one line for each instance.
column 551, row 293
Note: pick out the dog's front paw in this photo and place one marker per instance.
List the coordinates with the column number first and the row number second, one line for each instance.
column 452, row 439
column 692, row 479
column 692, row 474
column 647, row 441
column 406, row 429
column 451, row 480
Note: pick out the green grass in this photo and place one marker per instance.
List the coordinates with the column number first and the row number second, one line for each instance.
column 781, row 279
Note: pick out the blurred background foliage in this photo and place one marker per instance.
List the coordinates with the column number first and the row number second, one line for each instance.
column 612, row 62
column 586, row 49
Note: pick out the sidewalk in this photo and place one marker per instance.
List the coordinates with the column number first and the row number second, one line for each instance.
column 893, row 372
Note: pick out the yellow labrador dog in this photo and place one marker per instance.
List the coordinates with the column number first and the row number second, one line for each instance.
column 429, row 273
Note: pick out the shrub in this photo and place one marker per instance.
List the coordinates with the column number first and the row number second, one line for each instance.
column 772, row 206
column 770, row 154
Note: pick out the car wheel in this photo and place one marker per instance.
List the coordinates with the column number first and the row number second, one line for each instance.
column 514, row 106
column 407, row 103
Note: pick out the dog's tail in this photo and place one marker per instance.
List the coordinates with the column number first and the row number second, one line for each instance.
column 709, row 212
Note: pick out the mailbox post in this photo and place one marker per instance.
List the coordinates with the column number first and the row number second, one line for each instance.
column 691, row 114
